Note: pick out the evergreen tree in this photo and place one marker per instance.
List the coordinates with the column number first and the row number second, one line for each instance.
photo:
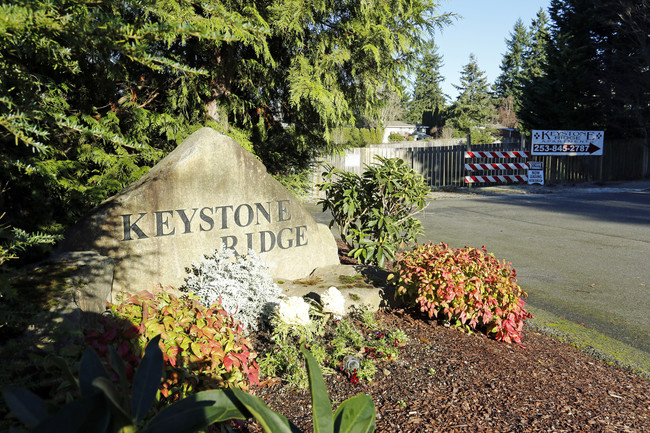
column 474, row 106
column 560, row 96
column 596, row 75
column 510, row 81
column 622, row 39
column 93, row 93
column 535, row 55
column 428, row 98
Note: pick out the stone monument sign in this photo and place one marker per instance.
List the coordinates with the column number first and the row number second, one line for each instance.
column 206, row 193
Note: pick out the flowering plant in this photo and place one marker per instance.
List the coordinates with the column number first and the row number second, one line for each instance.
column 294, row 311
column 333, row 302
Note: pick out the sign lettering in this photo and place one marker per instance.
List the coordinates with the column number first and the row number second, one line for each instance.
column 568, row 143
column 163, row 223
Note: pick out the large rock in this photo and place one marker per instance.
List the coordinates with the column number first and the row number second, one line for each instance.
column 207, row 192
column 75, row 287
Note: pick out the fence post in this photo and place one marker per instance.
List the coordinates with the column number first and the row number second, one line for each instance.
column 469, row 147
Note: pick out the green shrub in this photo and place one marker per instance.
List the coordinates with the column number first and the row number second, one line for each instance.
column 486, row 135
column 357, row 137
column 332, row 342
column 468, row 286
column 298, row 182
column 203, row 348
column 14, row 241
column 395, row 138
column 375, row 212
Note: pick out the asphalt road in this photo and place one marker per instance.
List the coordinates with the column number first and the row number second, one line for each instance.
column 582, row 255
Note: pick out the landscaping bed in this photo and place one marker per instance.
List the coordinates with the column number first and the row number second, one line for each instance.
column 449, row 381
column 446, row 380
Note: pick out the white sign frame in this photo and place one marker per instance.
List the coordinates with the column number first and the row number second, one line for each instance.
column 567, row 142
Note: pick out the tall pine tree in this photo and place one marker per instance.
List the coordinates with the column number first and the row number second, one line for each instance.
column 473, row 107
column 622, row 40
column 596, row 75
column 535, row 56
column 534, row 87
column 510, row 81
column 428, row 102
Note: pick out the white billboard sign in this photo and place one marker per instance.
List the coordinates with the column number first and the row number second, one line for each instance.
column 568, row 143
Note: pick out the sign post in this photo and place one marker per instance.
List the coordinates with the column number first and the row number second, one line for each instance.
column 567, row 143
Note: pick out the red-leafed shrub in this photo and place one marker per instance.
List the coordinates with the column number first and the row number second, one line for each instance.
column 203, row 348
column 469, row 286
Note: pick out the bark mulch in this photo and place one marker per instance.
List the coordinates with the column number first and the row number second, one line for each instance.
column 449, row 381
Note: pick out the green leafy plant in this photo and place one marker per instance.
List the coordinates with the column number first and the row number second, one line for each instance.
column 332, row 342
column 203, row 348
column 297, row 182
column 357, row 137
column 375, row 212
column 468, row 286
column 395, row 138
column 106, row 407
column 356, row 414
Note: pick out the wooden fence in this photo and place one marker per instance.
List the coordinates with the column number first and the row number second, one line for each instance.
column 442, row 164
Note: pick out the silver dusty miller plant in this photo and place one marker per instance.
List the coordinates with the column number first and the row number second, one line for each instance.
column 242, row 283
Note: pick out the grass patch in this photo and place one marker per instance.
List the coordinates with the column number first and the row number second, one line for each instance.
column 590, row 341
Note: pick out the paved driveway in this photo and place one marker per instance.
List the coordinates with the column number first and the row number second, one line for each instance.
column 582, row 254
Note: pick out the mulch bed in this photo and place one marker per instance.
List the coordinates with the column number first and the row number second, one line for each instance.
column 449, row 381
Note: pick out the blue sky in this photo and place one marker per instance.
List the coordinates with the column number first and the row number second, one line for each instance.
column 482, row 30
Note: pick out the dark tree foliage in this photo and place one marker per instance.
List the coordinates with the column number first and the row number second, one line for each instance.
column 510, row 81
column 428, row 98
column 92, row 93
column 596, row 75
column 473, row 107
column 535, row 55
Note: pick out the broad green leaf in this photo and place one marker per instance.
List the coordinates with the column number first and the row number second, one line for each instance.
column 147, row 379
column 197, row 412
column 89, row 414
column 320, row 401
column 117, row 363
column 90, row 369
column 355, row 415
column 109, row 390
column 271, row 421
column 27, row 406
